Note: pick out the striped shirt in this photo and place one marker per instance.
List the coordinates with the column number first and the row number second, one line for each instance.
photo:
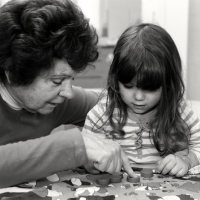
column 137, row 142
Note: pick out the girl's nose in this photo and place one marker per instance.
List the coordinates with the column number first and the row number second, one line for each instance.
column 139, row 95
column 67, row 91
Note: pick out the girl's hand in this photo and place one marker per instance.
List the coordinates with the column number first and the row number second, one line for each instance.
column 89, row 167
column 173, row 165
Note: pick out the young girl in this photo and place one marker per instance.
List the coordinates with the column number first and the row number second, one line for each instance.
column 143, row 109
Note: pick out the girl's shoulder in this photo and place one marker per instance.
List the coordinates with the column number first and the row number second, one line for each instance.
column 186, row 109
column 102, row 102
column 183, row 105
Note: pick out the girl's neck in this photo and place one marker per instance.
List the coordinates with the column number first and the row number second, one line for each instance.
column 142, row 117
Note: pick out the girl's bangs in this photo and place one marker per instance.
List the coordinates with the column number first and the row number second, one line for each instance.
column 145, row 72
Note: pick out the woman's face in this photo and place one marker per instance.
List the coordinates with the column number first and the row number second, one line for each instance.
column 47, row 91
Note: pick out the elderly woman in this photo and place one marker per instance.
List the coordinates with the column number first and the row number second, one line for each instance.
column 43, row 45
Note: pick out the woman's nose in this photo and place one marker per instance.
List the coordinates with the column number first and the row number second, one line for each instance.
column 67, row 91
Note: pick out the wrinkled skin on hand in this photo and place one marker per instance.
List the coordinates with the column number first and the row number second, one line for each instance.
column 105, row 156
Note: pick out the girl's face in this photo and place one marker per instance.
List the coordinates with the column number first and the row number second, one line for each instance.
column 47, row 91
column 139, row 101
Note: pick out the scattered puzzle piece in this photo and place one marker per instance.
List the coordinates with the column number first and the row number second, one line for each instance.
column 193, row 187
column 147, row 173
column 22, row 196
column 133, row 179
column 154, row 184
column 189, row 178
column 109, row 197
column 76, row 182
column 94, row 177
column 130, row 193
column 103, row 181
column 105, row 178
column 126, row 186
column 42, row 192
column 53, row 178
column 76, row 187
column 172, row 197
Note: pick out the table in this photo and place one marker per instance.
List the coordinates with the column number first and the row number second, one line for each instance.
column 78, row 185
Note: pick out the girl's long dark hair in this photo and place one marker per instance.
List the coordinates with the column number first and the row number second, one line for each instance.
column 148, row 53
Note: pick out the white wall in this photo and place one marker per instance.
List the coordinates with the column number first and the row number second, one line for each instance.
column 91, row 9
column 173, row 16
column 193, row 75
column 122, row 13
column 3, row 2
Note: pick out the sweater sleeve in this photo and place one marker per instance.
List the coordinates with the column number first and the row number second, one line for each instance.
column 41, row 157
column 191, row 157
column 96, row 120
column 74, row 110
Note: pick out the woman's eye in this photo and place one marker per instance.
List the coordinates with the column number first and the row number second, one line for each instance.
column 57, row 82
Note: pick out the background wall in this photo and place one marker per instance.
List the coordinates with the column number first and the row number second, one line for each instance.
column 193, row 63
column 110, row 17
column 179, row 17
column 173, row 16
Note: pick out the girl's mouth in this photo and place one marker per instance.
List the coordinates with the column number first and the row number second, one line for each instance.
column 140, row 107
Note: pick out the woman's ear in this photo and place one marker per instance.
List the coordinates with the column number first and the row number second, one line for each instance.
column 7, row 64
column 7, row 76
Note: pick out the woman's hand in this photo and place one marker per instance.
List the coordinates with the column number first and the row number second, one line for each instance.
column 89, row 167
column 173, row 165
column 106, row 155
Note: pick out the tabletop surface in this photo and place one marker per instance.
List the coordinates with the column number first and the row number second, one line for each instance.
column 78, row 185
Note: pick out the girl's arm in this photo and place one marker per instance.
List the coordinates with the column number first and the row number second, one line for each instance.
column 192, row 155
column 179, row 163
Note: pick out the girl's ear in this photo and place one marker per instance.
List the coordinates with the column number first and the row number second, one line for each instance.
column 7, row 76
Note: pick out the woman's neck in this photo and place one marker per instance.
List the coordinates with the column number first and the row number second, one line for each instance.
column 8, row 97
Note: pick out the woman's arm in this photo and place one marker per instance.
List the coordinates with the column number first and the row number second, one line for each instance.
column 34, row 159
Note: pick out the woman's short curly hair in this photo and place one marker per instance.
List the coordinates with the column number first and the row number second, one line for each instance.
column 34, row 33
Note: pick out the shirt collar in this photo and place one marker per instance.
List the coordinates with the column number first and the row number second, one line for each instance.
column 8, row 98
column 144, row 117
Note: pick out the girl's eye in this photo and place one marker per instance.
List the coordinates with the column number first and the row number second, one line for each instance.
column 128, row 86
